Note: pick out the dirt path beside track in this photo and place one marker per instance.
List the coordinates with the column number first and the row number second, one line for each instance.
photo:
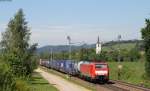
column 60, row 83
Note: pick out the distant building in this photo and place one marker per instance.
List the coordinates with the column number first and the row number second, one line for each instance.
column 98, row 46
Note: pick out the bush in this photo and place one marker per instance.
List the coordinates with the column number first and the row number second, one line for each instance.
column 6, row 78
column 21, row 85
column 126, row 73
column 9, row 82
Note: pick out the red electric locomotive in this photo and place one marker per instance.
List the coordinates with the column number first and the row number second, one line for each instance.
column 97, row 71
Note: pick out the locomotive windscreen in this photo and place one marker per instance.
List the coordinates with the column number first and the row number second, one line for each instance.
column 100, row 66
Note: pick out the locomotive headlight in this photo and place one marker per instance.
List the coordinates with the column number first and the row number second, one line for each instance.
column 101, row 72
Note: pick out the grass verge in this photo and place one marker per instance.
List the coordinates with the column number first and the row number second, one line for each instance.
column 38, row 83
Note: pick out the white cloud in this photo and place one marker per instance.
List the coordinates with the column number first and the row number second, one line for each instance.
column 2, row 28
column 54, row 35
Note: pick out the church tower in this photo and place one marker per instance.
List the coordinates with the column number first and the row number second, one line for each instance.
column 98, row 46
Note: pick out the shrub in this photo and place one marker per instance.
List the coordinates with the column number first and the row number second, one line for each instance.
column 6, row 78
column 21, row 85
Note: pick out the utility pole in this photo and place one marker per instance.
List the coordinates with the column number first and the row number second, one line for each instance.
column 119, row 38
column 119, row 65
column 69, row 41
column 51, row 54
column 72, row 43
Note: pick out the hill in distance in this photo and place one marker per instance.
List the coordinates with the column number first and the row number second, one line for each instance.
column 127, row 44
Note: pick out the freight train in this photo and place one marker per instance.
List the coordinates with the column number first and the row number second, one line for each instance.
column 94, row 71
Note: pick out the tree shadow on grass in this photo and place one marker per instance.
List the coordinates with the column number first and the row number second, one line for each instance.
column 40, row 83
column 37, row 79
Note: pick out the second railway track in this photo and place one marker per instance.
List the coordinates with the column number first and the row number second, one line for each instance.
column 112, row 85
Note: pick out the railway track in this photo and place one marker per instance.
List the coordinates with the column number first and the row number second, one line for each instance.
column 100, row 86
column 109, row 87
column 112, row 85
column 129, row 86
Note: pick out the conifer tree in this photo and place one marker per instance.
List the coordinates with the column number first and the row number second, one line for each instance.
column 15, row 43
column 146, row 37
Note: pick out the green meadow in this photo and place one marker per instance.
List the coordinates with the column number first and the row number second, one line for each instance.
column 131, row 72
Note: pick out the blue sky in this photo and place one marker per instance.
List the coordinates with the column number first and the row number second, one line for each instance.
column 52, row 20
